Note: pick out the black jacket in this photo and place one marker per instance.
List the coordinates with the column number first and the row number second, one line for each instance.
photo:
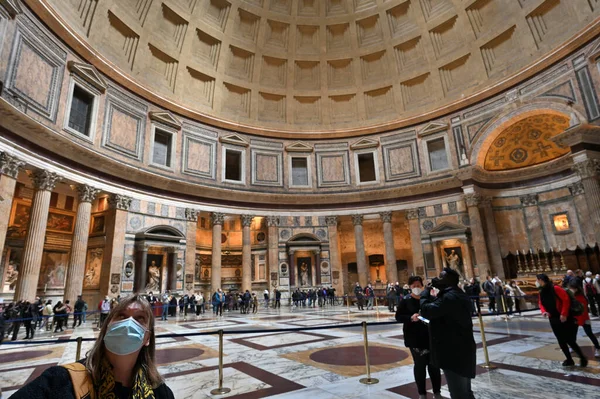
column 416, row 334
column 451, row 328
column 55, row 383
column 79, row 305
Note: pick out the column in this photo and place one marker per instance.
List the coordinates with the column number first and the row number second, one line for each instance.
column 273, row 247
column 361, row 257
column 43, row 183
column 246, row 253
column 588, row 170
column 76, row 268
column 587, row 225
column 477, row 235
column 317, row 267
column 335, row 260
column 191, row 215
column 391, row 270
column 9, row 169
column 113, row 261
column 412, row 215
column 215, row 269
column 533, row 222
column 141, row 268
column 172, row 270
column 491, row 235
column 292, row 263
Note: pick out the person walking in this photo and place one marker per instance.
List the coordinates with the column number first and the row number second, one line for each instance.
column 199, row 303
column 416, row 338
column 517, row 295
column 60, row 311
column 590, row 292
column 555, row 304
column 453, row 346
column 583, row 320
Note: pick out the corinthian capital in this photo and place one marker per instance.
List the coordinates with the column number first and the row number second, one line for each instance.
column 118, row 201
column 9, row 165
column 217, row 218
column 587, row 168
column 331, row 220
column 412, row 214
column 529, row 199
column 272, row 221
column 357, row 220
column 472, row 199
column 577, row 188
column 386, row 216
column 247, row 220
column 86, row 193
column 44, row 180
column 191, row 214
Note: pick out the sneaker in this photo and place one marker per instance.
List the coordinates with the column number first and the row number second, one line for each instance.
column 583, row 363
column 568, row 363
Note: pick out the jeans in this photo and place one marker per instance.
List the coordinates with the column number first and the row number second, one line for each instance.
column 370, row 302
column 422, row 365
column 459, row 386
column 165, row 311
column 84, row 314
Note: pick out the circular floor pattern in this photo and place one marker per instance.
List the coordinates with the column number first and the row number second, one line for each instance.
column 19, row 356
column 355, row 356
column 172, row 355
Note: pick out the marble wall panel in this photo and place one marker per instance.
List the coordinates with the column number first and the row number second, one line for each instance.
column 199, row 156
column 333, row 169
column 124, row 124
column 267, row 168
column 512, row 230
column 401, row 160
column 570, row 240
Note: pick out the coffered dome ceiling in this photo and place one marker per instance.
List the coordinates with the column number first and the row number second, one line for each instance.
column 344, row 67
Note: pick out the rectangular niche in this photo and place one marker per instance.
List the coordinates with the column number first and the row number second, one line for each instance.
column 373, row 66
column 434, row 8
column 307, row 39
column 366, row 165
column 277, row 35
column 445, row 37
column 336, row 7
column 240, row 63
column 271, row 107
column 307, row 75
column 121, row 39
column 415, row 91
column 380, row 102
column 484, row 15
column 170, row 27
column 343, row 108
column 246, row 25
column 281, row 6
column 233, row 165
column 457, row 74
column 164, row 65
column 547, row 20
column 273, row 72
column 437, row 154
column 369, row 31
column 300, row 174
column 409, row 54
column 400, row 19
column 308, row 8
column 340, row 73
column 338, row 37
column 498, row 53
column 206, row 48
column 200, row 87
column 236, row 100
column 216, row 12
column 307, row 110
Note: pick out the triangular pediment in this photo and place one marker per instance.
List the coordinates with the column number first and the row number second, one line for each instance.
column 233, row 139
column 89, row 74
column 299, row 146
column 595, row 51
column 165, row 118
column 364, row 143
column 433, row 127
column 449, row 229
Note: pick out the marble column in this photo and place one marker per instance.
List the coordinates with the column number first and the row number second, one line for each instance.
column 9, row 169
column 215, row 269
column 141, row 269
column 43, row 183
column 587, row 224
column 533, row 221
column 412, row 215
column 477, row 235
column 317, row 267
column 172, row 270
column 361, row 257
column 588, row 171
column 113, row 257
column 292, row 263
column 191, row 215
column 246, row 253
column 76, row 268
column 391, row 270
column 491, row 235
column 273, row 247
column 337, row 275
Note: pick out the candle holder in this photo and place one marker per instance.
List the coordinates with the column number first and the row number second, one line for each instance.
column 539, row 262
column 519, row 265
column 527, row 269
column 546, row 264
column 563, row 267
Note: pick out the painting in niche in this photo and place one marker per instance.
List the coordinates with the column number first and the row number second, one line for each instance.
column 20, row 214
column 11, row 270
column 453, row 258
column 304, row 271
column 54, row 270
column 91, row 279
column 60, row 222
column 561, row 223
column 98, row 224
column 154, row 273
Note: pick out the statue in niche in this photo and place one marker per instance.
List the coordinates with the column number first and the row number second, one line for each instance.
column 453, row 259
column 304, row 274
column 12, row 274
column 153, row 278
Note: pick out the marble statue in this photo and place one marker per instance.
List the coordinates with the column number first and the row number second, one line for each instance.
column 153, row 278
column 303, row 274
column 453, row 260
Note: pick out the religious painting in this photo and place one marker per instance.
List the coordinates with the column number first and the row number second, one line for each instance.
column 561, row 224
column 453, row 258
column 98, row 224
column 115, row 278
column 154, row 273
column 91, row 279
column 12, row 268
column 53, row 271
column 20, row 213
column 60, row 222
column 304, row 271
column 189, row 278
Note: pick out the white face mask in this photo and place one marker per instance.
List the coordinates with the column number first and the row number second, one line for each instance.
column 537, row 284
column 417, row 291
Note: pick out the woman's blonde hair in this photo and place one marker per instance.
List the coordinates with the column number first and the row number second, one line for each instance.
column 146, row 358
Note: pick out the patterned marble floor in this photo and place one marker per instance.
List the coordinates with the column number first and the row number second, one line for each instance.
column 324, row 363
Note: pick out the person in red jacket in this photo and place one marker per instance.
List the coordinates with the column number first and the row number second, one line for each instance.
column 555, row 304
column 583, row 319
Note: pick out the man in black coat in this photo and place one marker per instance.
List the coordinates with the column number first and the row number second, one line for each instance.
column 451, row 328
column 78, row 310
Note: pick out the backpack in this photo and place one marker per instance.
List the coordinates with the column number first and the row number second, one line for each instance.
column 590, row 289
column 82, row 381
column 576, row 308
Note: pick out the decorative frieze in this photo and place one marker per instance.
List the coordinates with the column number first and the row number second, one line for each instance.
column 10, row 165
column 120, row 202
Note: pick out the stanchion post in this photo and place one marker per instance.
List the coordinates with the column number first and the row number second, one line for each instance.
column 348, row 302
column 376, row 306
column 368, row 380
column 220, row 390
column 504, row 307
column 78, row 353
column 487, row 364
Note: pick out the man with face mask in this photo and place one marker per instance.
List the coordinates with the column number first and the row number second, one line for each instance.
column 590, row 293
column 453, row 347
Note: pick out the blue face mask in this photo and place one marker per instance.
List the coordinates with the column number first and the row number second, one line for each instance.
column 124, row 337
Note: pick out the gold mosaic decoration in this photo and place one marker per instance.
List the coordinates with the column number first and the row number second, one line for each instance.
column 527, row 143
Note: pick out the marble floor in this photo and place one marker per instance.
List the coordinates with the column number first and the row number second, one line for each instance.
column 323, row 357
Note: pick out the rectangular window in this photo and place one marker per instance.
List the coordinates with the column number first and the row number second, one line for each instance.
column 54, row 200
column 233, row 165
column 299, row 171
column 161, row 151
column 438, row 159
column 69, row 202
column 366, row 167
column 80, row 115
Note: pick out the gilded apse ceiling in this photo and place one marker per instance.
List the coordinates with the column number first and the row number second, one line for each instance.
column 309, row 67
column 527, row 143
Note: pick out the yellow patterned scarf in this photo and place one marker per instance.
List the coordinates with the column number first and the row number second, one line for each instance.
column 105, row 389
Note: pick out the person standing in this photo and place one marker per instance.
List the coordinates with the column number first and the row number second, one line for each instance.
column 220, row 302
column 583, row 320
column 590, row 292
column 518, row 296
column 254, row 303
column 266, row 297
column 370, row 295
column 555, row 304
column 416, row 338
column 490, row 290
column 27, row 316
column 277, row 299
column 47, row 313
column 165, row 305
column 453, row 347
column 104, row 310
column 199, row 303
column 78, row 311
